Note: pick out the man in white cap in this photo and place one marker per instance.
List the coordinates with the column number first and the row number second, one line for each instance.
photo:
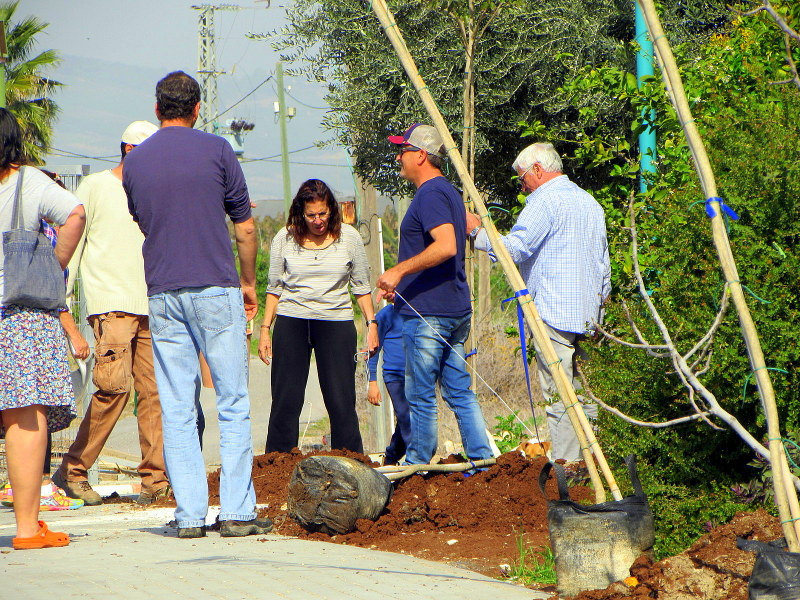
column 433, row 299
column 109, row 259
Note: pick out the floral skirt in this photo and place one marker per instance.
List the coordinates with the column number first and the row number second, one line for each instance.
column 33, row 364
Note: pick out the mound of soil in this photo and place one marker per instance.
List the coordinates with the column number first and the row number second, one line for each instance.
column 473, row 522
column 713, row 568
column 476, row 522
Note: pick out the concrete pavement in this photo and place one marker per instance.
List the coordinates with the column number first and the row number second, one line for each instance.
column 125, row 436
column 124, row 552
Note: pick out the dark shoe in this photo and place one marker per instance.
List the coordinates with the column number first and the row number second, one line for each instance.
column 243, row 528
column 150, row 496
column 78, row 489
column 191, row 532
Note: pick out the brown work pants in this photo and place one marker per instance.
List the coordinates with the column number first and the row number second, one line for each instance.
column 123, row 350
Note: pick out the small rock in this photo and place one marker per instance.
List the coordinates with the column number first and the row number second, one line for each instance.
column 451, row 542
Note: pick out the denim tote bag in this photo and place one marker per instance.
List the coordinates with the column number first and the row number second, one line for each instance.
column 32, row 276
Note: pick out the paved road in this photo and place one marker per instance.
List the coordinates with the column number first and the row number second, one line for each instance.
column 127, row 553
column 125, row 437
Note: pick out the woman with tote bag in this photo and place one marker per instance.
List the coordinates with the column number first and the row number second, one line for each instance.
column 32, row 345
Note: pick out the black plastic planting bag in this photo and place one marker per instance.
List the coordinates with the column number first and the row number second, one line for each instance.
column 330, row 493
column 595, row 545
column 776, row 573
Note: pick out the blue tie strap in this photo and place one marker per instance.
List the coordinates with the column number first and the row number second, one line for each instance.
column 522, row 342
column 725, row 208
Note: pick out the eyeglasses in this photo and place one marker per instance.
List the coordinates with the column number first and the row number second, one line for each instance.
column 521, row 178
column 322, row 216
column 407, row 148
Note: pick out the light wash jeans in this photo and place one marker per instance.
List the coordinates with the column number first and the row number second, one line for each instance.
column 211, row 320
column 428, row 361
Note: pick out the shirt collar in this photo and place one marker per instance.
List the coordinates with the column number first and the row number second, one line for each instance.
column 545, row 186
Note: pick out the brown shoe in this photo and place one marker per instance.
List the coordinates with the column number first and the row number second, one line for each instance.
column 150, row 496
column 78, row 489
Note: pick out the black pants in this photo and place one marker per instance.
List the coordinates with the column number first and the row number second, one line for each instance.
column 334, row 344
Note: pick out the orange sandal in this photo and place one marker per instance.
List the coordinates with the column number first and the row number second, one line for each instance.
column 44, row 539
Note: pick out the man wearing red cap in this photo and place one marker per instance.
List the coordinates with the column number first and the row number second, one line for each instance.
column 433, row 298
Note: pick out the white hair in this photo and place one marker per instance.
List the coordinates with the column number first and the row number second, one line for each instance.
column 543, row 153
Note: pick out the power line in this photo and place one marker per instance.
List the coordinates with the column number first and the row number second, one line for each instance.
column 295, row 162
column 235, row 104
column 288, row 93
column 267, row 158
column 70, row 154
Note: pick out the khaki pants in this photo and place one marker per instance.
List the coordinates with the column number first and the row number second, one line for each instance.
column 562, row 434
column 123, row 350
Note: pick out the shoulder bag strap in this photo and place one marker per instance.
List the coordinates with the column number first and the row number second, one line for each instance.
column 16, row 217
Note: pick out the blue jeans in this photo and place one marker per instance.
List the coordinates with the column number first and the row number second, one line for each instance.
column 428, row 361
column 212, row 321
column 396, row 387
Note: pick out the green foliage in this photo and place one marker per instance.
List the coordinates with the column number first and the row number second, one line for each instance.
column 509, row 432
column 526, row 53
column 749, row 130
column 28, row 90
column 683, row 513
column 760, row 489
column 534, row 565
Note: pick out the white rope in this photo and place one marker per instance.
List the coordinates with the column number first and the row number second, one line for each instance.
column 469, row 366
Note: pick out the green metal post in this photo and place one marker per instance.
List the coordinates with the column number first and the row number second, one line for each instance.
column 644, row 68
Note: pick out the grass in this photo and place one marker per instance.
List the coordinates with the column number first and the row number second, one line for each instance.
column 534, row 565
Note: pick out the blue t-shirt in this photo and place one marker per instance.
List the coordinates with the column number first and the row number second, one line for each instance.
column 181, row 183
column 390, row 342
column 441, row 290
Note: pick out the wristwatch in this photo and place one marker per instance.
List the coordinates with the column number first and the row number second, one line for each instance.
column 475, row 231
column 371, row 321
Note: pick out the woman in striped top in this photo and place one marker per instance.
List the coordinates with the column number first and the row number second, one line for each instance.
column 315, row 262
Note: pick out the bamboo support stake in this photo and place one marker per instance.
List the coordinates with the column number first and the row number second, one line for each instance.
column 583, row 429
column 785, row 495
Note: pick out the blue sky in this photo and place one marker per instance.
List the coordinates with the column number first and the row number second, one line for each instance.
column 113, row 53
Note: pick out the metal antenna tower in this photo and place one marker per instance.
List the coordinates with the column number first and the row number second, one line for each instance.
column 207, row 64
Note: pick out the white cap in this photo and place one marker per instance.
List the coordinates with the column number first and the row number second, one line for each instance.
column 137, row 132
column 421, row 136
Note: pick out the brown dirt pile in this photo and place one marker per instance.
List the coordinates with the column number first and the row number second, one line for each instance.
column 484, row 513
column 713, row 568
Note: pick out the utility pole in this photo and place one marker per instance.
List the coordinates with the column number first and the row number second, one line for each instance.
column 369, row 225
column 207, row 64
column 283, row 115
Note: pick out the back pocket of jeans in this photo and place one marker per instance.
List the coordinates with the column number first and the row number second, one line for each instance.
column 112, row 368
column 157, row 319
column 213, row 312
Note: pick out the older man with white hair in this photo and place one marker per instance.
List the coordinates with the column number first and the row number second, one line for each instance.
column 559, row 244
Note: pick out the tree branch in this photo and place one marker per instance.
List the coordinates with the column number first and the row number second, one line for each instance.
column 629, row 419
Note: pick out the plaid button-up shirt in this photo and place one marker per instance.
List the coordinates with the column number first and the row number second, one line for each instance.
column 559, row 243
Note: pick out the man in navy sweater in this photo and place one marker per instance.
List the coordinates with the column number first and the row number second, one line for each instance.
column 181, row 186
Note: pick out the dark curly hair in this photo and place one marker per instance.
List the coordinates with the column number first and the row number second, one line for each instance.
column 176, row 96
column 11, row 152
column 311, row 190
